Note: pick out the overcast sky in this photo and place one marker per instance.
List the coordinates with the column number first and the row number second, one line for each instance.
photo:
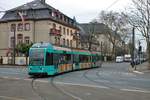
column 83, row 10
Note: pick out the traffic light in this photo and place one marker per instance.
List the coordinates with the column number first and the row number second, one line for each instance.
column 140, row 48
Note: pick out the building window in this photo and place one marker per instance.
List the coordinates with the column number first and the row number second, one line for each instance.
column 68, row 32
column 27, row 27
column 67, row 42
column 71, row 32
column 63, row 42
column 61, row 17
column 58, row 41
column 19, row 38
column 64, row 30
column 70, row 43
column 50, row 12
column 13, row 27
column 20, row 27
column 55, row 40
column 23, row 12
column 12, row 42
column 54, row 25
column 27, row 39
column 57, row 14
column 53, row 14
column 60, row 29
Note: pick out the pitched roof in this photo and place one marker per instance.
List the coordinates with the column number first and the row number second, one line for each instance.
column 99, row 28
column 36, row 4
column 36, row 10
column 90, row 28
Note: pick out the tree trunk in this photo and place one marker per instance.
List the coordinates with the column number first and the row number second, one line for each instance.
column 148, row 52
column 113, row 52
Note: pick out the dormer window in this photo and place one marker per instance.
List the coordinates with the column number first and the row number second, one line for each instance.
column 23, row 12
column 50, row 12
column 61, row 17
column 53, row 14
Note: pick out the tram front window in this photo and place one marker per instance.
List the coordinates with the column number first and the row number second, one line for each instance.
column 36, row 57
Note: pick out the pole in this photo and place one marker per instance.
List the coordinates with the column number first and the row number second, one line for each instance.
column 101, row 51
column 14, row 46
column 133, row 47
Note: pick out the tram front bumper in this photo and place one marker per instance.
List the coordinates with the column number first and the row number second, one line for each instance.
column 36, row 70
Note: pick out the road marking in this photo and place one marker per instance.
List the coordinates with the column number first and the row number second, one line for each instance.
column 85, row 85
column 138, row 72
column 27, row 79
column 11, row 98
column 5, row 77
column 88, row 94
column 42, row 81
column 132, row 90
column 146, row 71
column 10, row 73
column 102, row 81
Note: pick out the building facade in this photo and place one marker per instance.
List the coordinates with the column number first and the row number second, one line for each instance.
column 36, row 22
column 99, row 42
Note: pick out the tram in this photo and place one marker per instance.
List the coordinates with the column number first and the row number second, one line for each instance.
column 46, row 59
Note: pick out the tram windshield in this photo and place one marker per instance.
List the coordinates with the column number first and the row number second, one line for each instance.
column 36, row 57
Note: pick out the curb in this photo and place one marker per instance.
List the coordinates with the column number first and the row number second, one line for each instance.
column 140, row 69
column 13, row 66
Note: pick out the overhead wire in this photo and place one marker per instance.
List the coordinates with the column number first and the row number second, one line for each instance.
column 112, row 4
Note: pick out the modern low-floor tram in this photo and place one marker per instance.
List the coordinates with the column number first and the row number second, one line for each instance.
column 50, row 60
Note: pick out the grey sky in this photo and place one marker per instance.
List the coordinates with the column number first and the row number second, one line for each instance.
column 83, row 10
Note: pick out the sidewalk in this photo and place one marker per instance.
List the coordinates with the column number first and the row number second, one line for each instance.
column 12, row 66
column 141, row 67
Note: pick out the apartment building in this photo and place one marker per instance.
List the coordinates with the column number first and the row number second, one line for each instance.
column 37, row 21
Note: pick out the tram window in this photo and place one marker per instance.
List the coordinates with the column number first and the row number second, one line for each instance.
column 68, row 58
column 84, row 58
column 49, row 59
column 75, row 58
column 93, row 58
column 65, row 58
column 55, row 58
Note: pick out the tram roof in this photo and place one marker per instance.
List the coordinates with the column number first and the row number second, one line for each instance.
column 42, row 45
column 47, row 45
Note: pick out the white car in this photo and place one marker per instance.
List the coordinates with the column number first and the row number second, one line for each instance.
column 119, row 59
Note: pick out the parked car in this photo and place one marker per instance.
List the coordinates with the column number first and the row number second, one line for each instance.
column 127, row 58
column 119, row 59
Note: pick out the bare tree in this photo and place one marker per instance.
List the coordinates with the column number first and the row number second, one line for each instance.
column 139, row 17
column 117, row 30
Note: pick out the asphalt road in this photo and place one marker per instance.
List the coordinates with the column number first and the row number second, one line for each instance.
column 111, row 82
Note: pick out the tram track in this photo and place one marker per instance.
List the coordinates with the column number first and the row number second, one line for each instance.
column 86, row 73
column 34, row 88
column 61, row 90
column 54, row 85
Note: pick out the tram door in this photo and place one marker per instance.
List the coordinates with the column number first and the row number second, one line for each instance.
column 76, row 61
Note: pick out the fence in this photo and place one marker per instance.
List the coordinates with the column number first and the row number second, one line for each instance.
column 18, row 60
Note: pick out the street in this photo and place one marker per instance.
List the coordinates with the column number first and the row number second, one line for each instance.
column 112, row 81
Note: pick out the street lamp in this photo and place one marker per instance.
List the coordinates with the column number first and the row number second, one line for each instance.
column 140, row 51
column 133, row 48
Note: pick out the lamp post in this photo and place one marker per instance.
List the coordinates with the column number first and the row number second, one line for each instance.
column 139, row 51
column 133, row 47
column 101, row 50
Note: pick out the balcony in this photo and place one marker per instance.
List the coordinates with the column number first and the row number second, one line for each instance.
column 54, row 31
